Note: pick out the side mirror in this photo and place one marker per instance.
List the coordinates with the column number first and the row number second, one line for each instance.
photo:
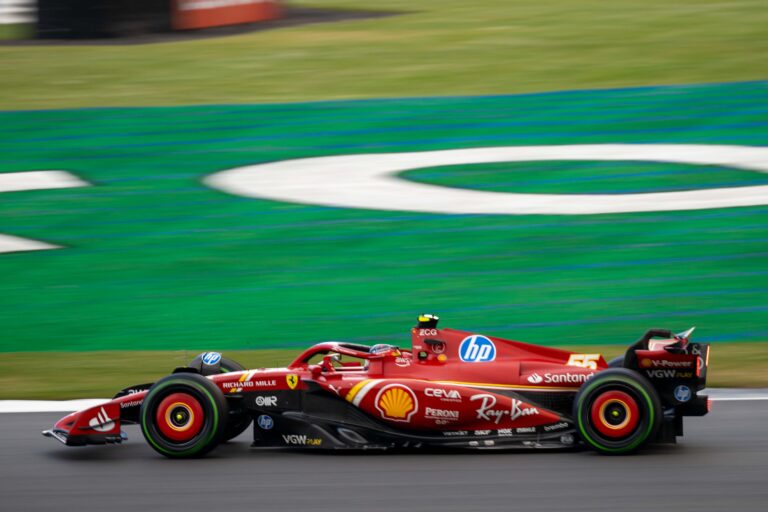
column 328, row 360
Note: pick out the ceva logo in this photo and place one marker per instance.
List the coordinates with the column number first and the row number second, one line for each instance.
column 477, row 349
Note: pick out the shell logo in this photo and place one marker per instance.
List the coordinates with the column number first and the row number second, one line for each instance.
column 397, row 402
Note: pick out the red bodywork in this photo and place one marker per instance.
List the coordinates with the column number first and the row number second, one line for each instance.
column 454, row 384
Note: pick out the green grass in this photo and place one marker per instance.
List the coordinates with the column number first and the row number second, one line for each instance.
column 437, row 47
column 156, row 260
column 569, row 177
column 65, row 375
column 16, row 31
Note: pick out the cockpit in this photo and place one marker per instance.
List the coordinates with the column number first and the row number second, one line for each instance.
column 336, row 356
column 333, row 356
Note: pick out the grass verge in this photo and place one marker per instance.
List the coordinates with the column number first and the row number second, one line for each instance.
column 66, row 375
column 437, row 47
column 16, row 31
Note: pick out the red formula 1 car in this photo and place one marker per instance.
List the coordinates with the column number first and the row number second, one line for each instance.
column 453, row 389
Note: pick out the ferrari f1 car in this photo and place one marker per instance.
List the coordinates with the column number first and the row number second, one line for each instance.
column 452, row 389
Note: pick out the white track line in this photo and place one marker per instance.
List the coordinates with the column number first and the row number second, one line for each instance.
column 9, row 406
column 735, row 394
column 49, row 405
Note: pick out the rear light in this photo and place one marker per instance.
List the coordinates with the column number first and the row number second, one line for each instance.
column 698, row 366
column 709, row 404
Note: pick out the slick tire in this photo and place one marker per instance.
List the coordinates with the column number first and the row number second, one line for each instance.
column 238, row 422
column 616, row 362
column 617, row 411
column 184, row 415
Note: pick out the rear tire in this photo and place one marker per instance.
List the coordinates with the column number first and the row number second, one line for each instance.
column 616, row 362
column 184, row 415
column 617, row 411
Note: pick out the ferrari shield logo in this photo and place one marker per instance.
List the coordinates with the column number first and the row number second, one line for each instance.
column 292, row 380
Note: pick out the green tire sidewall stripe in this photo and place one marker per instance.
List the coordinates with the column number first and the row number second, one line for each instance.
column 199, row 445
column 640, row 439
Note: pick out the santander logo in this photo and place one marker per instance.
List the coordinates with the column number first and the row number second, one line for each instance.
column 535, row 378
column 559, row 378
column 101, row 422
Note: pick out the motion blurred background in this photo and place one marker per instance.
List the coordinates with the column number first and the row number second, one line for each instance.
column 125, row 264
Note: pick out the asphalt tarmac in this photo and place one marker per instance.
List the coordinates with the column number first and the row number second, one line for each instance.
column 720, row 465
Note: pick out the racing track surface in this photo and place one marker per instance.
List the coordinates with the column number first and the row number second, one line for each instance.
column 721, row 464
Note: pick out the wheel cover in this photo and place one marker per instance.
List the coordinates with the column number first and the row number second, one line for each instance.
column 179, row 417
column 615, row 414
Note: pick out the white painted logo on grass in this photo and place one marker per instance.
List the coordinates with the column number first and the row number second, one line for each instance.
column 370, row 181
column 33, row 180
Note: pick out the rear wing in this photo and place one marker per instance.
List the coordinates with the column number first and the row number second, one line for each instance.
column 676, row 367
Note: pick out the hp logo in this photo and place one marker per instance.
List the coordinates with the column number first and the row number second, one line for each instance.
column 477, row 349
column 682, row 393
column 210, row 358
column 265, row 422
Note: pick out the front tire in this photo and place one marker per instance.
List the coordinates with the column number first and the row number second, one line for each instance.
column 617, row 411
column 239, row 421
column 184, row 415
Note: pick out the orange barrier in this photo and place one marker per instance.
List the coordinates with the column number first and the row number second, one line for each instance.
column 192, row 14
